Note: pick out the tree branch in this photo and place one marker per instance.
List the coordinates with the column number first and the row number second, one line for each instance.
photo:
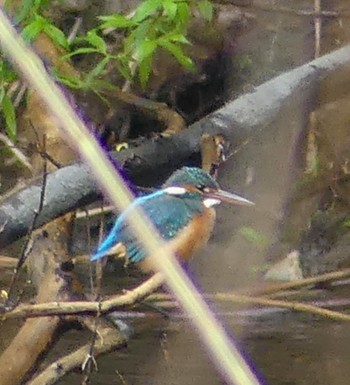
column 74, row 186
column 108, row 339
column 84, row 307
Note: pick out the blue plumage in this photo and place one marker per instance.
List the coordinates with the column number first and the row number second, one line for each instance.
column 168, row 213
column 191, row 176
column 185, row 196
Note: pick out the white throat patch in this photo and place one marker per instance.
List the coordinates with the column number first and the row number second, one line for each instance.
column 210, row 202
column 175, row 190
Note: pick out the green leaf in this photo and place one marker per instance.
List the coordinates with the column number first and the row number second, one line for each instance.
column 96, row 41
column 102, row 85
column 145, row 9
column 97, row 71
column 43, row 3
column 176, row 37
column 142, row 31
column 7, row 74
column 183, row 16
column 71, row 81
column 128, row 46
column 32, row 30
column 56, row 35
column 206, row 9
column 177, row 51
column 170, row 8
column 253, row 236
column 2, row 94
column 24, row 10
column 10, row 116
column 123, row 66
column 144, row 70
column 145, row 49
column 116, row 21
column 80, row 51
column 124, row 70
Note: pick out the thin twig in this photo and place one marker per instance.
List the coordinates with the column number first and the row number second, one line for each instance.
column 74, row 30
column 280, row 287
column 20, row 95
column 302, row 12
column 19, row 87
column 90, row 363
column 318, row 25
column 167, row 303
column 95, row 211
column 132, row 297
column 42, row 150
column 101, row 262
column 27, row 243
column 47, row 156
column 142, row 291
column 295, row 306
column 84, row 307
column 16, row 152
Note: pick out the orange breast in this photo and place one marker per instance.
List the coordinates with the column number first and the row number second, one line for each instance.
column 195, row 235
column 189, row 240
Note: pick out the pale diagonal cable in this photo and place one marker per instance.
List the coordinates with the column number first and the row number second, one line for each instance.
column 224, row 353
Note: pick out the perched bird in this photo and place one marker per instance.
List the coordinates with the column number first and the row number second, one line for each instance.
column 182, row 212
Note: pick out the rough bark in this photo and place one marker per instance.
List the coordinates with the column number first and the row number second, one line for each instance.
column 73, row 186
column 33, row 338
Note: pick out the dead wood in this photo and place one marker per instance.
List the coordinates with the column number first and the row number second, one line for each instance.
column 49, row 244
column 7, row 262
column 214, row 151
column 108, row 338
column 239, row 120
column 275, row 288
column 36, row 335
column 142, row 291
column 84, row 307
column 171, row 120
column 33, row 338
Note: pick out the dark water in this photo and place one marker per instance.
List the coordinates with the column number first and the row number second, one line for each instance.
column 286, row 348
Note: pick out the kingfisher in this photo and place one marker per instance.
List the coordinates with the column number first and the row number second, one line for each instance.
column 182, row 211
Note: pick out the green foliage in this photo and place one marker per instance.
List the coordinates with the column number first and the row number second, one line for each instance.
column 8, row 110
column 155, row 25
column 206, row 9
column 346, row 222
column 7, row 77
column 29, row 16
column 28, row 9
column 253, row 236
column 41, row 24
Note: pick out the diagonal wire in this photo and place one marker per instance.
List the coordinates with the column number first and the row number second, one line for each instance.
column 224, row 353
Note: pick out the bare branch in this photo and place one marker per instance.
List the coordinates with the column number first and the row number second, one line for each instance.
column 80, row 307
column 73, row 186
column 108, row 339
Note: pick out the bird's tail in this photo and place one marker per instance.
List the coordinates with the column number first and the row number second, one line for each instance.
column 105, row 250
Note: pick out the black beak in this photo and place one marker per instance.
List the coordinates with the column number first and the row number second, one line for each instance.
column 225, row 196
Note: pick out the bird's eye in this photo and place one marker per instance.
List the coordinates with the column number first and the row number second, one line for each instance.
column 202, row 188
